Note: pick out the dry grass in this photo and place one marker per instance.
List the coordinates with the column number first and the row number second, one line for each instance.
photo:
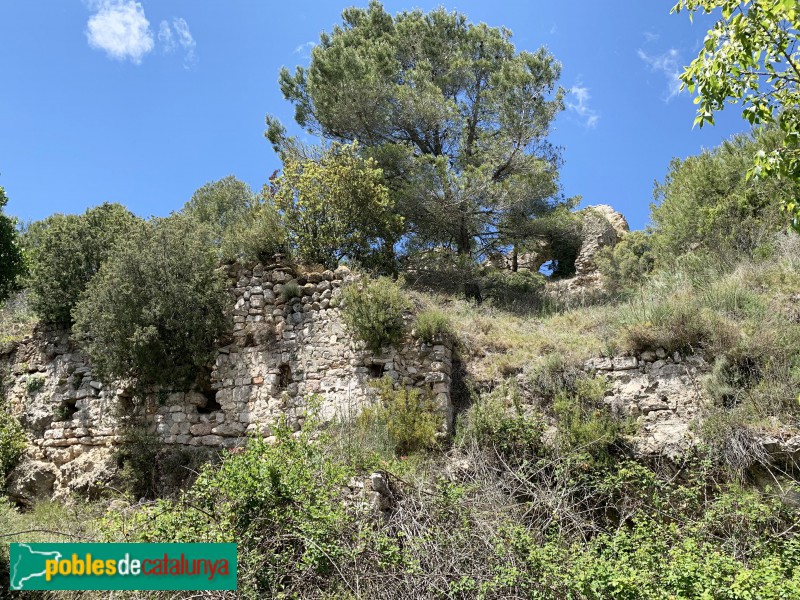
column 496, row 343
column 16, row 318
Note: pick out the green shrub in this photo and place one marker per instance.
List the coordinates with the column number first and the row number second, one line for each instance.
column 553, row 375
column 733, row 299
column 66, row 251
column 221, row 205
column 243, row 226
column 411, row 418
column 374, row 311
column 492, row 424
column 432, row 325
column 34, row 383
column 64, row 411
column 336, row 205
column 627, row 264
column 519, row 291
column 678, row 323
column 12, row 266
column 16, row 317
column 12, row 442
column 291, row 290
column 148, row 468
column 257, row 236
column 584, row 424
column 706, row 202
column 279, row 501
column 156, row 308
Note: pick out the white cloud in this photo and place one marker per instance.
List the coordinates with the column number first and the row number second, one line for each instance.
column 165, row 37
column 186, row 40
column 578, row 101
column 649, row 36
column 304, row 50
column 668, row 64
column 178, row 34
column 120, row 28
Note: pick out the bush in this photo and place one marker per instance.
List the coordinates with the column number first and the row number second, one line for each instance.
column 627, row 264
column 432, row 325
column 150, row 469
column 34, row 383
column 12, row 260
column 221, row 205
column 374, row 310
column 12, row 441
column 491, row 424
column 519, row 291
column 553, row 375
column 156, row 308
column 257, row 236
column 279, row 501
column 243, row 226
column 16, row 317
column 335, row 205
column 291, row 290
column 66, row 251
column 411, row 418
column 706, row 202
column 583, row 422
column 678, row 322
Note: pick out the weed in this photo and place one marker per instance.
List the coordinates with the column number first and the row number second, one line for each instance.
column 433, row 325
column 410, row 417
column 291, row 290
column 34, row 383
column 375, row 311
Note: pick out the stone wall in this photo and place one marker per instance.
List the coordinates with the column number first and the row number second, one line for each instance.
column 661, row 393
column 288, row 342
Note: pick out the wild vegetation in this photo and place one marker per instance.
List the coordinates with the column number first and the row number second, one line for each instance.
column 539, row 493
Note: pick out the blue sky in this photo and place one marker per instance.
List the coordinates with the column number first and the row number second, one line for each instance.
column 143, row 102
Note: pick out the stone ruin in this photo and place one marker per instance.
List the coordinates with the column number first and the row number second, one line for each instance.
column 280, row 352
column 601, row 226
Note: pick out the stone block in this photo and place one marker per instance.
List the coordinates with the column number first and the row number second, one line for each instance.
column 624, row 363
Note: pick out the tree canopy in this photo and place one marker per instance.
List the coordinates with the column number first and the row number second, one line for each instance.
column 221, row 204
column 453, row 114
column 12, row 263
column 66, row 251
column 243, row 225
column 155, row 308
column 751, row 56
column 707, row 202
column 335, row 205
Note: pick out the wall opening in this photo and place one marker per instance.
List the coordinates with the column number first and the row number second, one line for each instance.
column 66, row 410
column 375, row 371
column 211, row 404
column 284, row 376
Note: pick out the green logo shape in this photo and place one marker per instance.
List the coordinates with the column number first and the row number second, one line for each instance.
column 85, row 566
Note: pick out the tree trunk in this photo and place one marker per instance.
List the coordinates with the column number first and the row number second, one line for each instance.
column 463, row 241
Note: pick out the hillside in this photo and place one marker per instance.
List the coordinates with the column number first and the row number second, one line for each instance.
column 410, row 367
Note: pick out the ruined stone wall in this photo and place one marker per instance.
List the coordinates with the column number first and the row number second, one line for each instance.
column 661, row 393
column 288, row 342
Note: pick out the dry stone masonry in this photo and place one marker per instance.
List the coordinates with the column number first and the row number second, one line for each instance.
column 662, row 393
column 288, row 343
